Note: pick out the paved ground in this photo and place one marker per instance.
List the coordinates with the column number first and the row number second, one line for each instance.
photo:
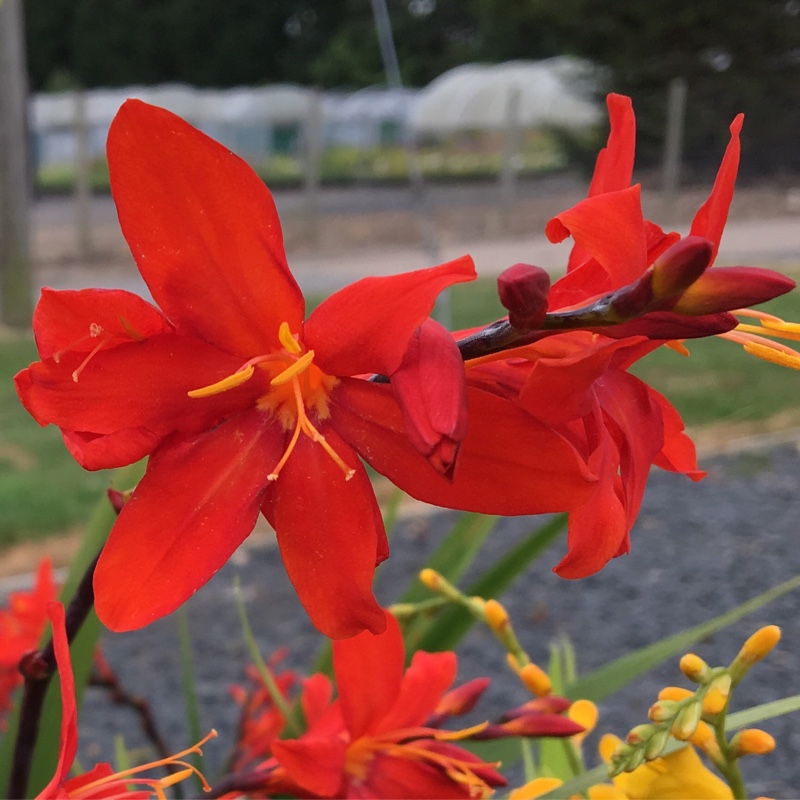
column 376, row 232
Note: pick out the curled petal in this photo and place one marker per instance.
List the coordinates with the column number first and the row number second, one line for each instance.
column 510, row 462
column 431, row 389
column 614, row 166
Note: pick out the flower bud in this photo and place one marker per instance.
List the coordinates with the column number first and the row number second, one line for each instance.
column 716, row 698
column 656, row 744
column 663, row 710
column 752, row 741
column 729, row 288
column 585, row 713
column 458, row 701
column 523, row 290
column 694, row 668
column 680, row 266
column 753, row 650
column 430, row 578
column 674, row 693
column 686, row 722
column 639, row 734
column 496, row 616
column 536, row 680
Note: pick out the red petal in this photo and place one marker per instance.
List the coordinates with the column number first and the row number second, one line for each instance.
column 614, row 166
column 204, row 231
column 710, row 219
column 68, row 746
column 328, row 532
column 80, row 320
column 136, row 385
column 431, row 388
column 315, row 764
column 316, row 698
column 425, row 682
column 195, row 505
column 510, row 463
column 106, row 451
column 368, row 671
column 609, row 228
column 366, row 326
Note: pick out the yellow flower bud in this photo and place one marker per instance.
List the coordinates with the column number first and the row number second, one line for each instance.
column 430, row 578
column 760, row 644
column 705, row 739
column 674, row 693
column 752, row 741
column 585, row 713
column 662, row 710
column 716, row 698
column 536, row 680
column 496, row 616
column 694, row 668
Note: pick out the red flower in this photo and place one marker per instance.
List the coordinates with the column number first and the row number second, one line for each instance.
column 22, row 623
column 380, row 737
column 102, row 781
column 243, row 406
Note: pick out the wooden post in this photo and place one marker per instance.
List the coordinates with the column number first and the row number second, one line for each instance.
column 16, row 301
column 673, row 143
column 511, row 148
column 83, row 178
column 312, row 142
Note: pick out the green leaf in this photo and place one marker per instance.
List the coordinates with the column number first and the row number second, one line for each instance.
column 611, row 677
column 756, row 714
column 189, row 686
column 449, row 627
column 456, row 553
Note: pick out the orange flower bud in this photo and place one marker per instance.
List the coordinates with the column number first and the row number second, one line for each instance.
column 716, row 698
column 536, row 680
column 729, row 288
column 694, row 668
column 752, row 741
column 674, row 693
column 496, row 616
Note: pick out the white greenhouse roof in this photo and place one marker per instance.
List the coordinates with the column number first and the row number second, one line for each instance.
column 554, row 91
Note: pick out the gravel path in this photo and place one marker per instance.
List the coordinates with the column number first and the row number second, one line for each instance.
column 698, row 550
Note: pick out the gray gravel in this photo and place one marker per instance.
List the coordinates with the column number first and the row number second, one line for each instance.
column 698, row 550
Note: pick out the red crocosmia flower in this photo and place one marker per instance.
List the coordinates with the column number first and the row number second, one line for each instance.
column 22, row 623
column 101, row 782
column 243, row 406
column 380, row 738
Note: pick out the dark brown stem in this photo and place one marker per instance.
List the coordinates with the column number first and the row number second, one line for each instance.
column 37, row 681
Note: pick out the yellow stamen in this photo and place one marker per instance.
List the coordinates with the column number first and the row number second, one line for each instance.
column 292, row 371
column 231, row 382
column 287, row 339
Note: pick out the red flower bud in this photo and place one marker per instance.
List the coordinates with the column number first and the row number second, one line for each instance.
column 680, row 266
column 531, row 725
column 458, row 701
column 729, row 288
column 523, row 290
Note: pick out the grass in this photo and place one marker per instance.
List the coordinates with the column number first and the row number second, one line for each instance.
column 43, row 491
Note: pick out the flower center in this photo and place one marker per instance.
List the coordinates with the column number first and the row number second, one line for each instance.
column 297, row 386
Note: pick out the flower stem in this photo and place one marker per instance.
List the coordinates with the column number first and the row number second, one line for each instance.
column 37, row 681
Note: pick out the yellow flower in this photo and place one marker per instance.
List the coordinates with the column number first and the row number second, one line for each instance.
column 680, row 775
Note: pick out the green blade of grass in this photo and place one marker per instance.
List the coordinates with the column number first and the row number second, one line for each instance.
column 448, row 628
column 611, row 677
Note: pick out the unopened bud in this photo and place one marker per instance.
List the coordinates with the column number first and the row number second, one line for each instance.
column 716, row 698
column 686, row 722
column 496, row 616
column 639, row 734
column 762, row 642
column 118, row 498
column 694, row 668
column 729, row 288
column 752, row 741
column 663, row 710
column 674, row 693
column 656, row 744
column 705, row 739
column 536, row 680
column 430, row 578
column 523, row 290
column 680, row 266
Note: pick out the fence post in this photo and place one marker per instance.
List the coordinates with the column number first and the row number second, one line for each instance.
column 673, row 143
column 312, row 177
column 16, row 302
column 83, row 178
column 511, row 149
